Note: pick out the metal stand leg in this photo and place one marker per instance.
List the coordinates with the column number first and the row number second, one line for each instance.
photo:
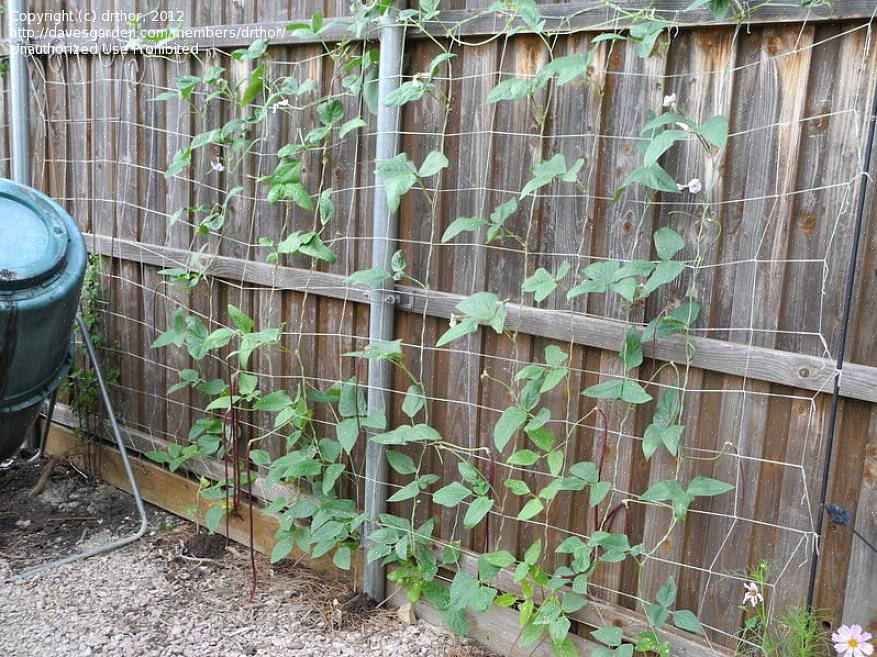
column 117, row 434
column 41, row 452
column 44, row 434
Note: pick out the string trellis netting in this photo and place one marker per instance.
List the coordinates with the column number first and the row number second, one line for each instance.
column 617, row 284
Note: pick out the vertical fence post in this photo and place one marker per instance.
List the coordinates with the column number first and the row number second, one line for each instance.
column 381, row 297
column 19, row 105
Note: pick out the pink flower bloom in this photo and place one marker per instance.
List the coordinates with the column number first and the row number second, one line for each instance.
column 752, row 595
column 852, row 641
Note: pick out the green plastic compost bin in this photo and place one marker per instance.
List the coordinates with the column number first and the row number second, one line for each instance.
column 42, row 263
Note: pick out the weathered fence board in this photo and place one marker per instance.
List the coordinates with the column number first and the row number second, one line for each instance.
column 763, row 364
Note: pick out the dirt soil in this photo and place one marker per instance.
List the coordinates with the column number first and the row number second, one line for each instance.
column 177, row 591
column 70, row 513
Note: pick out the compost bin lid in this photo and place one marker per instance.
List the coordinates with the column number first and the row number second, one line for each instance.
column 33, row 240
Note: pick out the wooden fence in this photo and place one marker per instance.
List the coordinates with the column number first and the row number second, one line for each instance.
column 796, row 86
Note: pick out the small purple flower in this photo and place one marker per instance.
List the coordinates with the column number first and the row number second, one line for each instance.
column 695, row 186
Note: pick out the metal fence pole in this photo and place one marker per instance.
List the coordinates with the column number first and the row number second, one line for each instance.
column 19, row 104
column 381, row 298
column 841, row 348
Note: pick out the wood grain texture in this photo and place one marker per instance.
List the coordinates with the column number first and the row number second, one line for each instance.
column 776, row 252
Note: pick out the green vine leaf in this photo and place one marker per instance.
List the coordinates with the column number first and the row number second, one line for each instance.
column 349, row 126
column 542, row 283
column 243, row 322
column 509, row 422
column 646, row 34
column 464, row 327
column 525, row 457
column 479, row 508
column 342, row 557
column 686, row 620
column 599, row 276
column 414, row 401
column 624, row 389
column 517, row 487
column 398, row 176
column 511, row 89
column 214, row 516
column 653, row 176
column 666, row 595
column 254, row 86
column 631, row 354
column 451, row 495
column 281, row 549
column 409, row 490
column 460, row 225
column 368, row 277
column 665, row 272
column 401, row 463
column 308, row 244
column 347, row 432
column 676, row 321
column 656, row 435
column 407, row 92
column 433, row 163
column 408, row 434
column 380, row 350
column 715, row 131
column 480, row 308
column 291, row 191
column 273, row 402
column 566, row 69
column 531, row 509
column 498, row 217
column 660, row 144
column 326, row 206
column 609, row 636
column 548, row 170
column 667, row 243
column 708, row 487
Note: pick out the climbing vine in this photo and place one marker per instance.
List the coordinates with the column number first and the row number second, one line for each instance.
column 81, row 387
column 321, row 519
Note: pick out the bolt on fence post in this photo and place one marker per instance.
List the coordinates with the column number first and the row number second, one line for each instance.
column 19, row 106
column 381, row 324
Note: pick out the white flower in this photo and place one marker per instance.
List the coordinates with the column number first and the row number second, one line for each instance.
column 852, row 641
column 216, row 165
column 453, row 320
column 278, row 104
column 752, row 595
column 695, row 186
column 669, row 100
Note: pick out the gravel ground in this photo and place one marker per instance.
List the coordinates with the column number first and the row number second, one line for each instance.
column 152, row 599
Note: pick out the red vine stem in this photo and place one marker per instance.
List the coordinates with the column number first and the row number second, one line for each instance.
column 604, row 447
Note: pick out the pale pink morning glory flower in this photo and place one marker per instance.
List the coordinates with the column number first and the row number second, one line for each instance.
column 852, row 641
column 695, row 186
column 669, row 100
column 752, row 595
column 216, row 165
